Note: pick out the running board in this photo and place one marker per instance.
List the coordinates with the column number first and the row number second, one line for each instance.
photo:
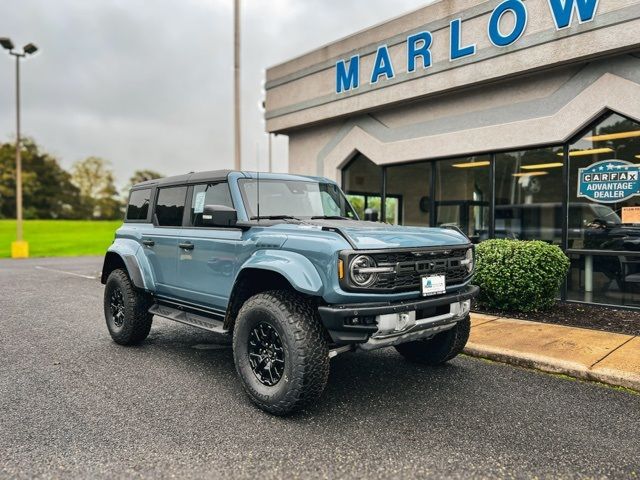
column 189, row 318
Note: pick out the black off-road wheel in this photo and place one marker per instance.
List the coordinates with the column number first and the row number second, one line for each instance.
column 280, row 351
column 126, row 309
column 439, row 349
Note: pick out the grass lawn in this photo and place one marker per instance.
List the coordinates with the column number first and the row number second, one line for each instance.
column 60, row 238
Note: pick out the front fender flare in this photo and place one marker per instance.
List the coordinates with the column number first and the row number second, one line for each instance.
column 296, row 268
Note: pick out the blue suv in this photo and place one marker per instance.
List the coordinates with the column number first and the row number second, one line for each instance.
column 282, row 265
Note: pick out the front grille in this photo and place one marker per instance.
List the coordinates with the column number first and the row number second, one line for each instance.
column 410, row 266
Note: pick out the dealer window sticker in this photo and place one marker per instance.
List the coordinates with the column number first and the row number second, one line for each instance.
column 198, row 202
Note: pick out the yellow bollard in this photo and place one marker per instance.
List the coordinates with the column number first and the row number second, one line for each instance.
column 20, row 249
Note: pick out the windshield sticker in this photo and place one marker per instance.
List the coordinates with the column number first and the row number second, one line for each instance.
column 609, row 181
column 198, row 202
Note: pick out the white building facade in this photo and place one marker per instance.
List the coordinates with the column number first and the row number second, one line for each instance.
column 507, row 118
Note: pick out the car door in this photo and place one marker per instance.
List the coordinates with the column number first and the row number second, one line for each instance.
column 160, row 242
column 207, row 269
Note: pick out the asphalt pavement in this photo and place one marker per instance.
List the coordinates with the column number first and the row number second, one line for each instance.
column 73, row 404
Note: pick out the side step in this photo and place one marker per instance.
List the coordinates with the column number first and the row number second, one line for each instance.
column 189, row 318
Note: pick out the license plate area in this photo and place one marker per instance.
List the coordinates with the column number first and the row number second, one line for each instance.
column 433, row 285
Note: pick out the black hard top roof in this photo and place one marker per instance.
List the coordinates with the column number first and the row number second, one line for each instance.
column 193, row 177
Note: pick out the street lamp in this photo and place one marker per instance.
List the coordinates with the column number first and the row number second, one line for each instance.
column 19, row 248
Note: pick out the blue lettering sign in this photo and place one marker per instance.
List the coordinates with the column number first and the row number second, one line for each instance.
column 456, row 50
column 562, row 11
column 418, row 46
column 519, row 11
column 382, row 65
column 609, row 181
column 348, row 78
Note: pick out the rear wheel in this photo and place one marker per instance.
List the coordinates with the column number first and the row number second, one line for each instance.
column 280, row 351
column 439, row 349
column 126, row 309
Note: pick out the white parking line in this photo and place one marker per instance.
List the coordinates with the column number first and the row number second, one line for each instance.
column 90, row 277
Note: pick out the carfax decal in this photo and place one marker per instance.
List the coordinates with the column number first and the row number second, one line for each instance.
column 609, row 181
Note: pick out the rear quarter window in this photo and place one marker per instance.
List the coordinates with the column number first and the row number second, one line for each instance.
column 138, row 208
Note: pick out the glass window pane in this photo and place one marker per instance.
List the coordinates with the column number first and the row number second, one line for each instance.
column 408, row 194
column 138, row 208
column 362, row 177
column 606, row 279
column 529, row 188
column 597, row 221
column 209, row 194
column 170, row 206
column 357, row 202
column 462, row 195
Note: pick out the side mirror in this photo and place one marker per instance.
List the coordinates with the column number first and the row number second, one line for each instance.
column 219, row 216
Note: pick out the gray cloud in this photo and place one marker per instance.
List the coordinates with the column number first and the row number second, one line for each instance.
column 149, row 84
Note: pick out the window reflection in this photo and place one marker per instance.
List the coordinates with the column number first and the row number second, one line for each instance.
column 408, row 188
column 463, row 195
column 362, row 182
column 529, row 195
column 599, row 225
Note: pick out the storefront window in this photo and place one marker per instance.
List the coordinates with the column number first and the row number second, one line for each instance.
column 362, row 182
column 408, row 186
column 463, row 195
column 529, row 187
column 604, row 207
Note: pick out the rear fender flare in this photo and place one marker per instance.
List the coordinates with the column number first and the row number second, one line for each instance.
column 135, row 261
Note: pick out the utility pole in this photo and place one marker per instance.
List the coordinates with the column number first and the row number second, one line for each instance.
column 236, row 84
column 19, row 248
column 269, row 153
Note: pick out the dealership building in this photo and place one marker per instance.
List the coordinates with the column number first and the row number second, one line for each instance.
column 510, row 119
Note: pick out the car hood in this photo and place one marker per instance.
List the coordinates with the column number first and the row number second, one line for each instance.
column 372, row 235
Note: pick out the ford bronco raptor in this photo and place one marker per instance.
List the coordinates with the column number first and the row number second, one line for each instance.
column 282, row 265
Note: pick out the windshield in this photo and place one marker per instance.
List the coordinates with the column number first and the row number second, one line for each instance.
column 607, row 214
column 295, row 198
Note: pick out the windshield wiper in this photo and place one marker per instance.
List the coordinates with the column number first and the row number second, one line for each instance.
column 274, row 217
column 329, row 217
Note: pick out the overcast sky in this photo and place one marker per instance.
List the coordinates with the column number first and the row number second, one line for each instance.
column 148, row 84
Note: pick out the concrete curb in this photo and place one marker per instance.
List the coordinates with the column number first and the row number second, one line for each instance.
column 544, row 363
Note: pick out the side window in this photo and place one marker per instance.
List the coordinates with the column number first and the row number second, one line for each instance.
column 208, row 194
column 170, row 206
column 138, row 207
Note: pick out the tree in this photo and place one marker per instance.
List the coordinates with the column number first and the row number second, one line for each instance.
column 143, row 176
column 47, row 188
column 138, row 177
column 96, row 182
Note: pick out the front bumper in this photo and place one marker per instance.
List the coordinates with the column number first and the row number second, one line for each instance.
column 336, row 319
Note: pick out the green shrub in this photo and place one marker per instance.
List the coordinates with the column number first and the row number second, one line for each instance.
column 519, row 275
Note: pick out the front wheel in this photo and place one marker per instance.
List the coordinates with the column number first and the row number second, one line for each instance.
column 280, row 351
column 440, row 348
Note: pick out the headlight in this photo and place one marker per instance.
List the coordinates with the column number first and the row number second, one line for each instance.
column 363, row 271
column 468, row 260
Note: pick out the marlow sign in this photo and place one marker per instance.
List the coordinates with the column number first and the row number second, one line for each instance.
column 609, row 181
column 418, row 45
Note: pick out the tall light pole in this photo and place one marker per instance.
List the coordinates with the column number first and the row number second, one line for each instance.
column 19, row 248
column 236, row 84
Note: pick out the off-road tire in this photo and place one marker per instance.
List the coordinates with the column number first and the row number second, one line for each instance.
column 136, row 323
column 439, row 349
column 306, row 355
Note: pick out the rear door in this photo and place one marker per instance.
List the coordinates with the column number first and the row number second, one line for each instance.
column 160, row 243
column 207, row 268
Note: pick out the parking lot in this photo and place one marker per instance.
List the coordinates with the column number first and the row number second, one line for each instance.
column 75, row 404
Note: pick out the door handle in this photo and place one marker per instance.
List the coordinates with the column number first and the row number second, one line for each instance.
column 186, row 246
column 148, row 243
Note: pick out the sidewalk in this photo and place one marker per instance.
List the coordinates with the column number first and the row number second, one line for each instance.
column 605, row 357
